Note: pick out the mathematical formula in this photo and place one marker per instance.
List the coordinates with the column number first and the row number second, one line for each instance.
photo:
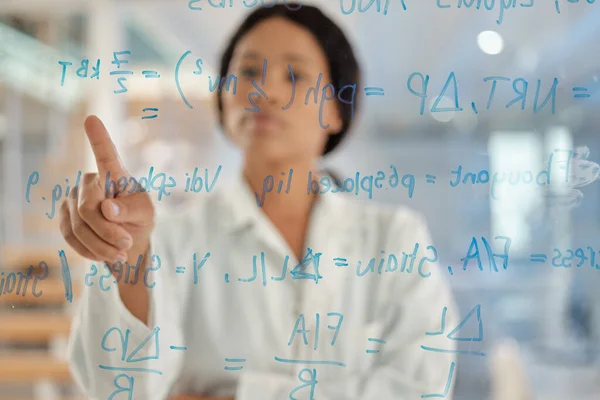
column 513, row 93
column 485, row 254
column 519, row 91
column 320, row 94
column 309, row 268
column 331, row 321
column 417, row 260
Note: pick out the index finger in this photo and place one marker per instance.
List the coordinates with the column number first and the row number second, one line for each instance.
column 105, row 152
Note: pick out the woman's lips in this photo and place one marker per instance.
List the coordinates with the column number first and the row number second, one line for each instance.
column 265, row 123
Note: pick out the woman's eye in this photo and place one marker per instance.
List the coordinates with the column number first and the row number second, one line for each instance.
column 249, row 72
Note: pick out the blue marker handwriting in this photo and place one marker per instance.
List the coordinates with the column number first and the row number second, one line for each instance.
column 356, row 184
column 319, row 94
column 347, row 7
column 300, row 329
column 406, row 263
column 310, row 266
column 142, row 357
column 584, row 256
column 18, row 282
column 454, row 335
column 8, row 283
column 473, row 253
column 516, row 93
column 159, row 182
column 557, row 3
column 481, row 253
column 500, row 7
column 497, row 6
column 564, row 167
column 365, row 183
column 307, row 268
column 57, row 192
column 196, row 5
column 125, row 272
column 133, row 361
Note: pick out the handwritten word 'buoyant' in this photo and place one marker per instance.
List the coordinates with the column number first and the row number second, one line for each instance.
column 513, row 178
column 572, row 171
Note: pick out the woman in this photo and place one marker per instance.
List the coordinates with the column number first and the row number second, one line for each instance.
column 262, row 312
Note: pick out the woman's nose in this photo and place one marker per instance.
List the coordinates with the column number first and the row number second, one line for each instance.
column 277, row 90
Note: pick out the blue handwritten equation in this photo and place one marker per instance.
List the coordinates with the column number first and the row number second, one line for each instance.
column 484, row 254
column 148, row 349
column 417, row 260
column 519, row 91
column 319, row 93
column 131, row 359
column 453, row 335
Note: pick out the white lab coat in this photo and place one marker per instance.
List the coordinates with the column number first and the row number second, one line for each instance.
column 220, row 317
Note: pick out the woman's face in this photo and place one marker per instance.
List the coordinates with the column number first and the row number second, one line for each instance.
column 272, row 134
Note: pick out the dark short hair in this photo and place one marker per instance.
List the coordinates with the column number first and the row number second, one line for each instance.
column 343, row 66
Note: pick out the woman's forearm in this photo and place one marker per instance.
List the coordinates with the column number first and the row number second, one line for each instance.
column 133, row 292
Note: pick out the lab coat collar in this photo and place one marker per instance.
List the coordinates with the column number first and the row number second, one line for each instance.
column 243, row 210
column 327, row 221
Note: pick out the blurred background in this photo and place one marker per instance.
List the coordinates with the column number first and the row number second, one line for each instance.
column 541, row 322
